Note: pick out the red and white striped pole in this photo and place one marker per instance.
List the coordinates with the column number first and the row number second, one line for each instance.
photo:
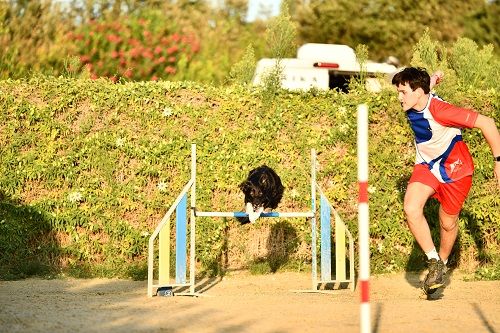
column 363, row 218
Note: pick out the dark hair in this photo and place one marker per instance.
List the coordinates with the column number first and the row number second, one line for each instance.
column 416, row 77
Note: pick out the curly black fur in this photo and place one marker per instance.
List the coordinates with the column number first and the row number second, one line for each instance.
column 263, row 188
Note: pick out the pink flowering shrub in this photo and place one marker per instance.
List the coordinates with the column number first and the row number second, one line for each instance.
column 132, row 49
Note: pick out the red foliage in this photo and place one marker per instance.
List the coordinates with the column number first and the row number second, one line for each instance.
column 131, row 50
column 128, row 73
column 170, row 70
column 114, row 38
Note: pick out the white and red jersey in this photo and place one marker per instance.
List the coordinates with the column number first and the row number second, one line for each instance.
column 438, row 139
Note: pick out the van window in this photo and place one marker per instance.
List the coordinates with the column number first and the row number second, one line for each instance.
column 338, row 81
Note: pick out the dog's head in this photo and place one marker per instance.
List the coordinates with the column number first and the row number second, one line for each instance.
column 262, row 188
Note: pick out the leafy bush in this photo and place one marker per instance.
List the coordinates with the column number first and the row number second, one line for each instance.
column 479, row 73
column 462, row 76
column 281, row 34
column 280, row 39
column 88, row 168
column 242, row 72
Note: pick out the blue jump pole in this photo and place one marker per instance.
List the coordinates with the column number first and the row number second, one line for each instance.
column 181, row 241
column 326, row 242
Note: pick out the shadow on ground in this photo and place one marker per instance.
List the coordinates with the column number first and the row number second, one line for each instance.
column 28, row 245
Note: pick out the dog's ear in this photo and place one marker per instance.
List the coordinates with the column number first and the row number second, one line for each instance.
column 264, row 178
column 250, row 189
column 245, row 186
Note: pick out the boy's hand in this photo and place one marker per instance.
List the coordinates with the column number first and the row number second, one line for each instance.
column 436, row 78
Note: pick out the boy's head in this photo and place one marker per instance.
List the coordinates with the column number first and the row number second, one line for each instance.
column 415, row 77
column 413, row 85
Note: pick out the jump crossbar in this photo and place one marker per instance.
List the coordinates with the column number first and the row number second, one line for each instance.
column 243, row 214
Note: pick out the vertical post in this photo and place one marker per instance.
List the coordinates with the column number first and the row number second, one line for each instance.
column 192, row 221
column 150, row 267
column 340, row 273
column 164, row 254
column 325, row 239
column 313, row 221
column 363, row 218
column 181, row 240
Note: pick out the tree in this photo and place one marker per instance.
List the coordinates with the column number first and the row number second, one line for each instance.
column 386, row 27
column 482, row 25
column 234, row 9
column 28, row 30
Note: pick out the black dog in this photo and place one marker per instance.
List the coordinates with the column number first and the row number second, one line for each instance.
column 263, row 190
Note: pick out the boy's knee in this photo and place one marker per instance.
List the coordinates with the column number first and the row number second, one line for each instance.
column 412, row 211
column 447, row 221
column 448, row 224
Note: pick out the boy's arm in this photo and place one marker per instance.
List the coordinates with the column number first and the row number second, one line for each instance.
column 492, row 136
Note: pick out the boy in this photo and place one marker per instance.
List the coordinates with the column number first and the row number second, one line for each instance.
column 443, row 167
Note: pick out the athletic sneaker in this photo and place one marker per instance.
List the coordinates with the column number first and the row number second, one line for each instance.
column 435, row 277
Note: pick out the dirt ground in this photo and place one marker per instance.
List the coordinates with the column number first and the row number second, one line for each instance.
column 245, row 303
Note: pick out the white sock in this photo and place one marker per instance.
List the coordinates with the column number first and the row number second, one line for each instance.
column 432, row 254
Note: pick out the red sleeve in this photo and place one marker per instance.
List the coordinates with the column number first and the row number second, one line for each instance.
column 451, row 115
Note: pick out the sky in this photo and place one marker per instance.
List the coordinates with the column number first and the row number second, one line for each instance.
column 255, row 5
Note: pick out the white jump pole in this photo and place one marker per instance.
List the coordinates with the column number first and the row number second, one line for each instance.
column 363, row 219
column 313, row 222
column 243, row 214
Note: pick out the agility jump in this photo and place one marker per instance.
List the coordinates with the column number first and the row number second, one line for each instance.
column 162, row 232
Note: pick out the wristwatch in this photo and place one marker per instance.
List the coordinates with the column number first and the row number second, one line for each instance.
column 497, row 158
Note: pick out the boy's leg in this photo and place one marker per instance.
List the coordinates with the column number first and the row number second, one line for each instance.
column 437, row 268
column 452, row 197
column 416, row 196
column 448, row 232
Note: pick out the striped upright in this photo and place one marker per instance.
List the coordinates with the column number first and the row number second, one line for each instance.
column 363, row 218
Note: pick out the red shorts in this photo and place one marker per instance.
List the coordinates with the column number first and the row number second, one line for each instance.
column 450, row 195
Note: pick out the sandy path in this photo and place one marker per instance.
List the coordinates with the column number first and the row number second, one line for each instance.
column 245, row 303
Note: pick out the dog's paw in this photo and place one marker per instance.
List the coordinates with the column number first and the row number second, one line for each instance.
column 254, row 215
column 248, row 208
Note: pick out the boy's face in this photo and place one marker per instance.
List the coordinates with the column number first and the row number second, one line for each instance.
column 407, row 97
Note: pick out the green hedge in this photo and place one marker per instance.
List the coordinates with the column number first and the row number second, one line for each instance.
column 88, row 168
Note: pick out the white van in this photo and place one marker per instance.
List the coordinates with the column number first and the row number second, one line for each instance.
column 322, row 66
